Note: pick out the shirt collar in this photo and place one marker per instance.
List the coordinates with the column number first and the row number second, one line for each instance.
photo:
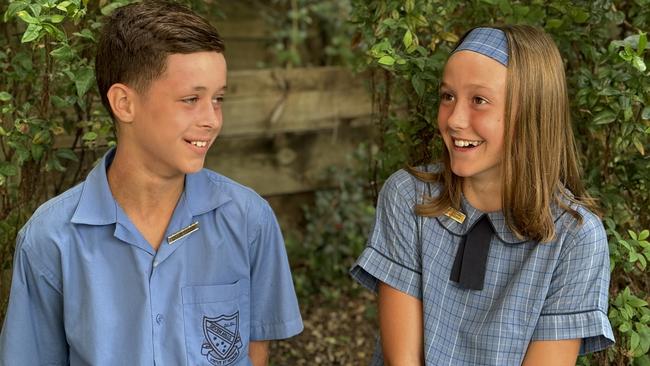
column 497, row 219
column 204, row 193
column 98, row 207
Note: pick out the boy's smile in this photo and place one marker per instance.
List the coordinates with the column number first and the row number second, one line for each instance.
column 178, row 117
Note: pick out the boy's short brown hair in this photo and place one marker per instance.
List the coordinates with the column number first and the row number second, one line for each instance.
column 137, row 38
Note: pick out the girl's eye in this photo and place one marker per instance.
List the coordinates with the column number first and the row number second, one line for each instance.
column 479, row 100
column 446, row 97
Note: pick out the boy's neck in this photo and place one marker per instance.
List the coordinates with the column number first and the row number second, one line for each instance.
column 147, row 199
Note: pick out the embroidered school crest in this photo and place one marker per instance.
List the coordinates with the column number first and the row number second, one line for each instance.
column 222, row 342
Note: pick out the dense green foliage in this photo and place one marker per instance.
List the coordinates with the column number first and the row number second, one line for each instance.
column 604, row 44
column 52, row 125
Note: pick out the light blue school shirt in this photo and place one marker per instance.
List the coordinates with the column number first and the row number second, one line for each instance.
column 532, row 291
column 88, row 289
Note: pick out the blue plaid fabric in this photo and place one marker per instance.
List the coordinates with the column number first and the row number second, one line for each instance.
column 490, row 42
column 532, row 291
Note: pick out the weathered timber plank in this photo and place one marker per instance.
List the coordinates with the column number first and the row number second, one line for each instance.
column 295, row 164
column 270, row 102
column 262, row 102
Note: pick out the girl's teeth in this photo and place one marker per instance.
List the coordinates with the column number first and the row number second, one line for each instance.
column 465, row 143
column 199, row 143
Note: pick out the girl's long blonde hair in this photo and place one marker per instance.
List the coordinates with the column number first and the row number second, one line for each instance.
column 540, row 165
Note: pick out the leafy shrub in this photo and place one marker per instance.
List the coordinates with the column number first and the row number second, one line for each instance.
column 406, row 42
column 336, row 231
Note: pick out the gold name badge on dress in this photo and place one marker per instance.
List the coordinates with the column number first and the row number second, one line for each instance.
column 183, row 232
column 455, row 215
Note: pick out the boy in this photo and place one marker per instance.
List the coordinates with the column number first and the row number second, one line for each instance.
column 152, row 260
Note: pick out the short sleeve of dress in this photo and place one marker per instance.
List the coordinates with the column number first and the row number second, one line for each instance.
column 576, row 303
column 393, row 253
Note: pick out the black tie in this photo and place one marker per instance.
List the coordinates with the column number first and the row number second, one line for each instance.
column 471, row 258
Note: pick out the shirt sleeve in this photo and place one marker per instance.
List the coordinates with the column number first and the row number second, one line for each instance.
column 577, row 300
column 33, row 331
column 393, row 253
column 274, row 306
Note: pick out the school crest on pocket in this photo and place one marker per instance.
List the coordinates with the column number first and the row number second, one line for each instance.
column 222, row 342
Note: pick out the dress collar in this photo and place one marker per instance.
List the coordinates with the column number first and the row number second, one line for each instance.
column 497, row 219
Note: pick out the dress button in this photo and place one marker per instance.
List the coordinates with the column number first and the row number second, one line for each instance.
column 155, row 264
column 159, row 318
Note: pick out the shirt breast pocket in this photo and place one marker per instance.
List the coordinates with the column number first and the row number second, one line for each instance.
column 217, row 324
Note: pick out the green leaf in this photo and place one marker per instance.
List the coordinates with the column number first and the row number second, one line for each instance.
column 64, row 5
column 579, row 16
column 42, row 137
column 644, row 234
column 554, row 23
column 636, row 302
column 85, row 78
column 37, row 152
column 5, row 97
column 63, row 53
column 624, row 328
column 26, row 17
column 31, row 33
column 67, row 154
column 643, row 43
column 638, row 145
column 409, row 6
column 8, row 169
column 407, row 40
column 418, row 85
column 634, row 340
column 108, row 9
column 449, row 37
column 387, row 60
column 646, row 113
column 604, row 117
column 642, row 263
column 14, row 8
column 57, row 18
column 36, row 9
column 85, row 33
column 54, row 31
column 638, row 63
column 90, row 136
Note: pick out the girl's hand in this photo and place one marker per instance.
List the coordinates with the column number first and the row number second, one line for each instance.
column 400, row 325
column 557, row 353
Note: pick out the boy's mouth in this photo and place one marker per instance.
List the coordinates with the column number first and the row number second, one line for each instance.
column 197, row 143
column 467, row 143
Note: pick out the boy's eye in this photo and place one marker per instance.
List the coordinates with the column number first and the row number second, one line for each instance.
column 217, row 100
column 190, row 100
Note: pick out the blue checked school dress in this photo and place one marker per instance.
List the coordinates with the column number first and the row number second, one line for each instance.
column 531, row 291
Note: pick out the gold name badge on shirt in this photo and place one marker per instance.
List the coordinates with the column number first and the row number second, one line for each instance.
column 183, row 232
column 455, row 215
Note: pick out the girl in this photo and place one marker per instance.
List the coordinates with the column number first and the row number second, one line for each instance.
column 494, row 256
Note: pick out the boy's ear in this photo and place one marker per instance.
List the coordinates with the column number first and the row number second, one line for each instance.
column 121, row 99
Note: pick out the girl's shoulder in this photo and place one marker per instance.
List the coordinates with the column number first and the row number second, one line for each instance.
column 404, row 185
column 577, row 221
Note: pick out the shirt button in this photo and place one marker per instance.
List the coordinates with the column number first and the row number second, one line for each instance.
column 155, row 264
column 159, row 318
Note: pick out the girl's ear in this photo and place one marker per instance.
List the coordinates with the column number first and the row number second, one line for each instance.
column 122, row 98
